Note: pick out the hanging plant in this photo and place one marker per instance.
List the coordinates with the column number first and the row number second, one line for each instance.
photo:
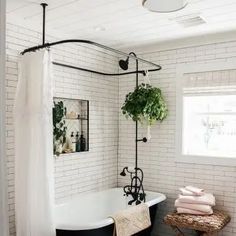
column 145, row 105
column 59, row 128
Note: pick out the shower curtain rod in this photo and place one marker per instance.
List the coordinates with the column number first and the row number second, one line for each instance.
column 48, row 45
column 102, row 73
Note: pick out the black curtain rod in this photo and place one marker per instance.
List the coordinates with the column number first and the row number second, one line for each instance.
column 48, row 45
column 143, row 72
column 130, row 55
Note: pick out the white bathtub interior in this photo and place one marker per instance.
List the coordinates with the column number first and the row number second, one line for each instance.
column 92, row 210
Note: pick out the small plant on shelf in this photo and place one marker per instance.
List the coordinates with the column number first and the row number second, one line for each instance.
column 145, row 105
column 59, row 128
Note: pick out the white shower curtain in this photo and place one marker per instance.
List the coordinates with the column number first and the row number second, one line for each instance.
column 34, row 146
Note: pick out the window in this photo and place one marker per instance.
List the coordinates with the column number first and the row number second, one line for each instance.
column 206, row 113
column 209, row 125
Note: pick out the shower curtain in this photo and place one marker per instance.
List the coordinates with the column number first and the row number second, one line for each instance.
column 34, row 146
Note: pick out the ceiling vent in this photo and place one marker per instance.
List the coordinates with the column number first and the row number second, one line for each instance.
column 189, row 20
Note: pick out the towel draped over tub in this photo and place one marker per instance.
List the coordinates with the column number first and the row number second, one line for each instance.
column 131, row 220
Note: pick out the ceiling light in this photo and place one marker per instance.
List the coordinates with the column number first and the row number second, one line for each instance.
column 164, row 5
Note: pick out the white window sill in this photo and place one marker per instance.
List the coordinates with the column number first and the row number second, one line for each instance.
column 207, row 160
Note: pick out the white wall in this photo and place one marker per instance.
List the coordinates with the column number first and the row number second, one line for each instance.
column 3, row 184
column 98, row 168
column 81, row 172
column 157, row 158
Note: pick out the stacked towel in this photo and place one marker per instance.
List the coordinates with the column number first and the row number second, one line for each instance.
column 195, row 201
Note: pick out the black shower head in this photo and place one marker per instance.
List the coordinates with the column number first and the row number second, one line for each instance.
column 122, row 173
column 124, row 64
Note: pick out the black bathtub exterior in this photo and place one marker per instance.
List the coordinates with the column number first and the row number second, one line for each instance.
column 107, row 230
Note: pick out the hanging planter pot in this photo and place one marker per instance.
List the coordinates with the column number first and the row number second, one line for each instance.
column 145, row 105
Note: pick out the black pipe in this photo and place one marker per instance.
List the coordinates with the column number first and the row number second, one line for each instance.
column 44, row 5
column 142, row 140
column 136, row 182
column 136, row 130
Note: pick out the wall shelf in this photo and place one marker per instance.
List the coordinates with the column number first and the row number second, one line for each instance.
column 75, row 122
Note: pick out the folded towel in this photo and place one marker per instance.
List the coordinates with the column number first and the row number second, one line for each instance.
column 206, row 199
column 186, row 192
column 192, row 212
column 196, row 207
column 196, row 191
column 132, row 220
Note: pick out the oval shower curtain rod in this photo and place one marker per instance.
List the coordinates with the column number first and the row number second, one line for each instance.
column 128, row 55
column 48, row 45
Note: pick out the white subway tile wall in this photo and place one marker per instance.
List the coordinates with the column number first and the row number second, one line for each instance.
column 157, row 157
column 74, row 173
column 112, row 134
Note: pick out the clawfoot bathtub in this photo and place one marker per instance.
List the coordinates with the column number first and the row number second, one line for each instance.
column 88, row 214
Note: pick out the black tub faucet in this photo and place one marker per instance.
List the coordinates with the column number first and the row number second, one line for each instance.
column 135, row 189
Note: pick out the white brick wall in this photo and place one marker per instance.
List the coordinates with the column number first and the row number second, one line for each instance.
column 157, row 158
column 96, row 169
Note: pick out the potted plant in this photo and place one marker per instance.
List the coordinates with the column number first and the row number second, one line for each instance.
column 59, row 128
column 145, row 105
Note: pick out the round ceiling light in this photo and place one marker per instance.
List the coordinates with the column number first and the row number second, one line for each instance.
column 164, row 5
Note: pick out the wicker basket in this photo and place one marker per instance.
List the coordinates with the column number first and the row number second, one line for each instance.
column 206, row 224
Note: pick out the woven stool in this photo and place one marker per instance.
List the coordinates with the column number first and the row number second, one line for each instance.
column 203, row 225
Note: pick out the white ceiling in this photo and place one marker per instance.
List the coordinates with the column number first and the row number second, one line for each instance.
column 126, row 22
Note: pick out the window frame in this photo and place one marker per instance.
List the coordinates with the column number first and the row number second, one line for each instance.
column 180, row 72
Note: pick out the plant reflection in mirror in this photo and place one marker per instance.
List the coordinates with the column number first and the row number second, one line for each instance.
column 59, row 128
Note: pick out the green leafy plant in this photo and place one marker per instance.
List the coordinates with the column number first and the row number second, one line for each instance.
column 146, row 105
column 59, row 128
